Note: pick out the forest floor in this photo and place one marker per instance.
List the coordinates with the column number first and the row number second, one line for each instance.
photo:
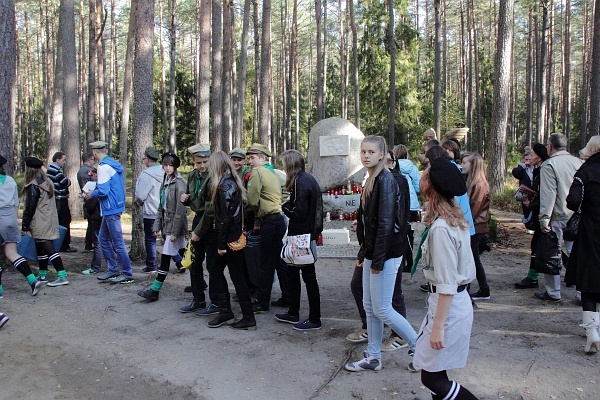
column 101, row 341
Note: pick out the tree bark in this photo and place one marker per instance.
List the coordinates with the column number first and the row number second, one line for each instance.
column 8, row 77
column 172, row 76
column 227, row 73
column 70, row 136
column 319, row 72
column 264, row 103
column 127, row 78
column 392, row 87
column 142, row 110
column 54, row 143
column 164, row 111
column 437, row 67
column 355, row 82
column 501, row 102
column 594, row 124
column 216, row 100
column 238, row 122
column 566, row 83
column 100, row 24
column 92, row 67
column 204, row 61
column 542, row 75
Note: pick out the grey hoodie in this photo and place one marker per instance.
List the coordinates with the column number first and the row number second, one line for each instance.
column 147, row 190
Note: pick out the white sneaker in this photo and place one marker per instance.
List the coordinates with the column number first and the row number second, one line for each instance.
column 58, row 282
column 366, row 364
column 358, row 337
column 393, row 343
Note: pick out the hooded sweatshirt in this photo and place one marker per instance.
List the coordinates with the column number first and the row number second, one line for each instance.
column 412, row 175
column 110, row 188
column 147, row 190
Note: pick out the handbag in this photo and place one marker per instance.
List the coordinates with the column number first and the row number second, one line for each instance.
column 240, row 243
column 188, row 256
column 299, row 250
column 525, row 193
column 570, row 231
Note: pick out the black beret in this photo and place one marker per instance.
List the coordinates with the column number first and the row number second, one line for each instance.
column 541, row 151
column 176, row 160
column 446, row 179
column 2, row 160
column 33, row 162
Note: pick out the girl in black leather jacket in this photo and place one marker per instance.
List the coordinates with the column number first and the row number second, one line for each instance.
column 227, row 195
column 380, row 255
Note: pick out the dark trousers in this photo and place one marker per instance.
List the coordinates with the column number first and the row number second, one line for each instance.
column 272, row 230
column 312, row 291
column 204, row 249
column 89, row 236
column 64, row 219
column 94, row 226
column 357, row 291
column 233, row 261
column 150, row 243
column 480, row 272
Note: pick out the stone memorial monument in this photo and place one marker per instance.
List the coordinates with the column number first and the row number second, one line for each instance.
column 334, row 160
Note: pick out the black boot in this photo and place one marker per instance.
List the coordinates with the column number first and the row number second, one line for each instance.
column 225, row 314
column 247, row 322
column 149, row 294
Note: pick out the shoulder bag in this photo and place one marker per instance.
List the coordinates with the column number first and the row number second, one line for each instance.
column 570, row 231
column 299, row 249
column 241, row 242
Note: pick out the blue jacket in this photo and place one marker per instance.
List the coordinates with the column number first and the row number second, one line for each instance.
column 463, row 202
column 110, row 188
column 412, row 175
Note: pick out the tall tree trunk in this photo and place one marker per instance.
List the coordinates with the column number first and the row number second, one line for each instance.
column 501, row 102
column 204, row 61
column 355, row 82
column 45, row 71
column 54, row 144
column 325, row 59
column 392, row 89
column 264, row 104
column 100, row 24
column 566, row 83
column 530, row 82
column 112, row 117
column 437, row 67
column 83, row 72
column 70, row 136
column 257, row 81
column 8, row 77
column 238, row 122
column 295, row 68
column 586, row 68
column 343, row 61
column 127, row 78
column 172, row 76
column 92, row 67
column 542, row 74
column 594, row 124
column 142, row 110
column 216, row 100
column 227, row 72
column 319, row 72
column 164, row 111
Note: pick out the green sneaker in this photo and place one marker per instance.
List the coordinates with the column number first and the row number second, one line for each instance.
column 41, row 278
column 90, row 271
column 58, row 282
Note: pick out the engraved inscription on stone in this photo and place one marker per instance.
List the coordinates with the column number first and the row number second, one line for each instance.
column 334, row 145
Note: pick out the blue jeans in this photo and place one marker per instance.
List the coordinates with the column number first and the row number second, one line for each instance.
column 377, row 301
column 111, row 242
column 150, row 243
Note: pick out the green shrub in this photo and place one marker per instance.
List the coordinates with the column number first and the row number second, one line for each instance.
column 493, row 229
column 505, row 201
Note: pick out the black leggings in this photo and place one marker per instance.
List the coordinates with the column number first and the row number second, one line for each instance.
column 589, row 301
column 442, row 387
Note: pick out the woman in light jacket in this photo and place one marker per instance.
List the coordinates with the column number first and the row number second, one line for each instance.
column 443, row 341
column 171, row 222
column 40, row 219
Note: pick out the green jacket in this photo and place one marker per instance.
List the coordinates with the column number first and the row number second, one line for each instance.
column 207, row 218
column 264, row 192
column 195, row 182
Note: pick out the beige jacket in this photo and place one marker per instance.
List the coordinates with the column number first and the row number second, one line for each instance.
column 556, row 176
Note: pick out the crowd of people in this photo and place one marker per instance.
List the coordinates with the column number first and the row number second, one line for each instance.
column 240, row 220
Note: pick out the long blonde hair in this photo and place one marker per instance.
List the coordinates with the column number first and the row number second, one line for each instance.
column 219, row 164
column 293, row 163
column 476, row 177
column 32, row 174
column 439, row 206
column 370, row 183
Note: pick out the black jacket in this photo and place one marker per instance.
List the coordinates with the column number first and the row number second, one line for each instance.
column 304, row 207
column 228, row 212
column 404, row 210
column 519, row 173
column 379, row 224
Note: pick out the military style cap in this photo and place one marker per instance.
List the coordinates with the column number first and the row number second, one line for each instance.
column 151, row 153
column 238, row 152
column 98, row 145
column 258, row 148
column 200, row 150
column 33, row 162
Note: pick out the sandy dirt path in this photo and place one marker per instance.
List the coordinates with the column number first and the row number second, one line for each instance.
column 100, row 341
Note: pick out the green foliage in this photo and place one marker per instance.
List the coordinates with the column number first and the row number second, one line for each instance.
column 506, row 200
column 493, row 229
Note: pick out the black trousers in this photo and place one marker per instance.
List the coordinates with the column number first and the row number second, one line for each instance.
column 309, row 277
column 64, row 219
column 233, row 261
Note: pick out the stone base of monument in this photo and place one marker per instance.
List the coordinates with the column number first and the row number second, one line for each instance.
column 342, row 204
column 336, row 236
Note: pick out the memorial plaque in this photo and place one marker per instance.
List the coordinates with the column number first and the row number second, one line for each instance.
column 334, row 145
